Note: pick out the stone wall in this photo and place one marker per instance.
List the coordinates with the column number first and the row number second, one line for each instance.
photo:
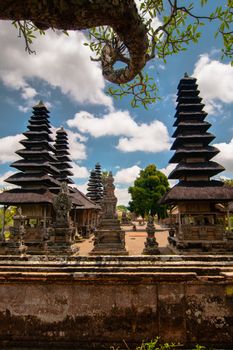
column 99, row 301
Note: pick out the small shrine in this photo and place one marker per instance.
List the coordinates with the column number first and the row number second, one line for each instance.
column 124, row 219
column 151, row 245
column 48, row 210
column 109, row 237
column 200, row 205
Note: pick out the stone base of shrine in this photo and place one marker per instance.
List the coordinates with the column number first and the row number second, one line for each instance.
column 59, row 242
column 109, row 239
column 97, row 302
column 201, row 246
column 109, row 249
column 35, row 247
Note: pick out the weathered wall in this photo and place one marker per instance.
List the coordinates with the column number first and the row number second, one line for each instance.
column 88, row 303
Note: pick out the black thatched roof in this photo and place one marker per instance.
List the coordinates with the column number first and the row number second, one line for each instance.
column 215, row 191
column 205, row 139
column 189, row 115
column 203, row 168
column 79, row 197
column 183, row 152
column 191, row 125
column 20, row 196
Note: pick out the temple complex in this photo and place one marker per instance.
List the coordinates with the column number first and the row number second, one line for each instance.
column 200, row 203
column 109, row 237
column 48, row 210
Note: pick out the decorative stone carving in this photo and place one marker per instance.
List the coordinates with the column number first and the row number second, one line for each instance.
column 109, row 238
column 151, row 246
column 62, row 205
column 124, row 219
column 60, row 236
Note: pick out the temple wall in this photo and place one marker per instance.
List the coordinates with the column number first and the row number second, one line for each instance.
column 85, row 309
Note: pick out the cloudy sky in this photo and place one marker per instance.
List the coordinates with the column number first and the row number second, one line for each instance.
column 100, row 129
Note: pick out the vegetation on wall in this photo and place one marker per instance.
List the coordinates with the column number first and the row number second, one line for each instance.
column 10, row 212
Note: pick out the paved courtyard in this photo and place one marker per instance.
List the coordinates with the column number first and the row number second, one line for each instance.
column 134, row 240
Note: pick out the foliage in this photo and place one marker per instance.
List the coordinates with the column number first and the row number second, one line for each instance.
column 179, row 27
column 122, row 208
column 228, row 182
column 179, row 24
column 10, row 212
column 148, row 188
column 157, row 345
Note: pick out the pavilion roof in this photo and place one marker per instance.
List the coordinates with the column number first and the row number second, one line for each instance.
column 215, row 191
column 19, row 196
column 79, row 197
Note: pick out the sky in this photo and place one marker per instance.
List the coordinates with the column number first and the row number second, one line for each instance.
column 122, row 139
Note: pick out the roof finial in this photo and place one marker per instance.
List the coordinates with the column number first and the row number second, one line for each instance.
column 40, row 105
column 186, row 75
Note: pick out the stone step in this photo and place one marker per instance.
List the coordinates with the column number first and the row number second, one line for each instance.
column 200, row 271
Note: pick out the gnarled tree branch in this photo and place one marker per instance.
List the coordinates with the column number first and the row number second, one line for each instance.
column 121, row 15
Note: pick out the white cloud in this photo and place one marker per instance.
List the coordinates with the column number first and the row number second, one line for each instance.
column 215, row 80
column 8, row 146
column 61, row 61
column 127, row 175
column 77, row 147
column 123, row 197
column 151, row 137
column 224, row 157
column 4, row 176
column 155, row 21
column 82, row 187
column 167, row 171
column 79, row 172
column 113, row 124
column 148, row 138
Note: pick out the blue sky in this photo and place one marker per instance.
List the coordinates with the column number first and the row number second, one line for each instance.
column 122, row 139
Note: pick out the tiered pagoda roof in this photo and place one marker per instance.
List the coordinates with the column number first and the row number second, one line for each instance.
column 91, row 186
column 36, row 166
column 42, row 166
column 95, row 186
column 99, row 182
column 61, row 147
column 192, row 150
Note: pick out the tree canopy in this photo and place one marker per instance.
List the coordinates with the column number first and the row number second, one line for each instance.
column 147, row 190
column 123, row 39
column 10, row 212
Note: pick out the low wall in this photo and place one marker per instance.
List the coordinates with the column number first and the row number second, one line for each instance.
column 99, row 301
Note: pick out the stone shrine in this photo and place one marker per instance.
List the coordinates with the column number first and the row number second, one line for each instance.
column 151, row 246
column 124, row 219
column 60, row 234
column 109, row 237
